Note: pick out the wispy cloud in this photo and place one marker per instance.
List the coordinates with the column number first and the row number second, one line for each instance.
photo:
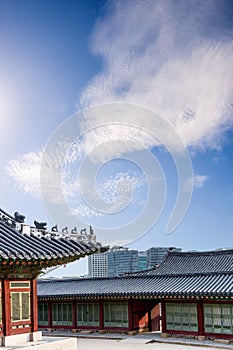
column 199, row 180
column 175, row 58
column 113, row 191
column 130, row 182
column 25, row 173
column 84, row 210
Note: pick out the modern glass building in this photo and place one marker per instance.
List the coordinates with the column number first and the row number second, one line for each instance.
column 98, row 265
column 120, row 260
column 155, row 255
column 142, row 261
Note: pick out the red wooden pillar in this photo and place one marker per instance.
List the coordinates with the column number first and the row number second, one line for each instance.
column 101, row 314
column 163, row 312
column 49, row 314
column 155, row 316
column 149, row 308
column 74, row 314
column 34, row 306
column 200, row 317
column 6, row 307
column 130, row 314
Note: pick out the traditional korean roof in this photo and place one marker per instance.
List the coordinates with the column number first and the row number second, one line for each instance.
column 205, row 279
column 179, row 263
column 21, row 247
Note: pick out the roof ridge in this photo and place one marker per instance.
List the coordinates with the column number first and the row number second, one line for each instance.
column 188, row 274
column 80, row 279
column 204, row 253
column 65, row 279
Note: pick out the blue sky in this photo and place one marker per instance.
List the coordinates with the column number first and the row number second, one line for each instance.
column 171, row 60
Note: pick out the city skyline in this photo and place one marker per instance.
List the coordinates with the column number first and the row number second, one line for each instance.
column 153, row 59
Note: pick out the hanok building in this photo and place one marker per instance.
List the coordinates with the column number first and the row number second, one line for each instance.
column 24, row 252
column 192, row 293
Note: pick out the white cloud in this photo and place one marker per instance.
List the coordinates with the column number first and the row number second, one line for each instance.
column 25, row 172
column 199, row 180
column 174, row 59
column 110, row 194
column 84, row 210
column 111, row 189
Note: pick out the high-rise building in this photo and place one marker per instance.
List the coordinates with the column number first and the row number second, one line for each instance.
column 122, row 260
column 142, row 261
column 155, row 255
column 98, row 265
column 119, row 260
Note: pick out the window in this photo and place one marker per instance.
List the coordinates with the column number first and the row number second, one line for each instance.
column 218, row 318
column 62, row 314
column 181, row 316
column 20, row 306
column 43, row 314
column 20, row 301
column 88, row 314
column 19, row 285
column 116, row 314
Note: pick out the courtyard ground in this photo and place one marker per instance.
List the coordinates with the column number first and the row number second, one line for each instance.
column 143, row 341
column 136, row 344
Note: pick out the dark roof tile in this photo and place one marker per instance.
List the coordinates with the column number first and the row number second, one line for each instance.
column 180, row 263
column 198, row 285
column 15, row 245
column 180, row 274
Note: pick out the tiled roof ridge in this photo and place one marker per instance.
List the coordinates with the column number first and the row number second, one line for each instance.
column 220, row 251
column 31, row 250
column 207, row 286
column 7, row 214
column 40, row 230
column 170, row 254
column 83, row 280
column 75, row 279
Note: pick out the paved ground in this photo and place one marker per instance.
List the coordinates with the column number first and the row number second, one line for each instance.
column 132, row 344
column 148, row 341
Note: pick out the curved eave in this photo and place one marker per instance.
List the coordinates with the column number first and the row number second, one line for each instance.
column 20, row 249
column 43, row 262
column 134, row 296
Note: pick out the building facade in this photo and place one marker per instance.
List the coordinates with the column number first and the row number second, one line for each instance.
column 142, row 261
column 193, row 290
column 115, row 262
column 155, row 255
column 98, row 265
column 120, row 260
column 24, row 253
